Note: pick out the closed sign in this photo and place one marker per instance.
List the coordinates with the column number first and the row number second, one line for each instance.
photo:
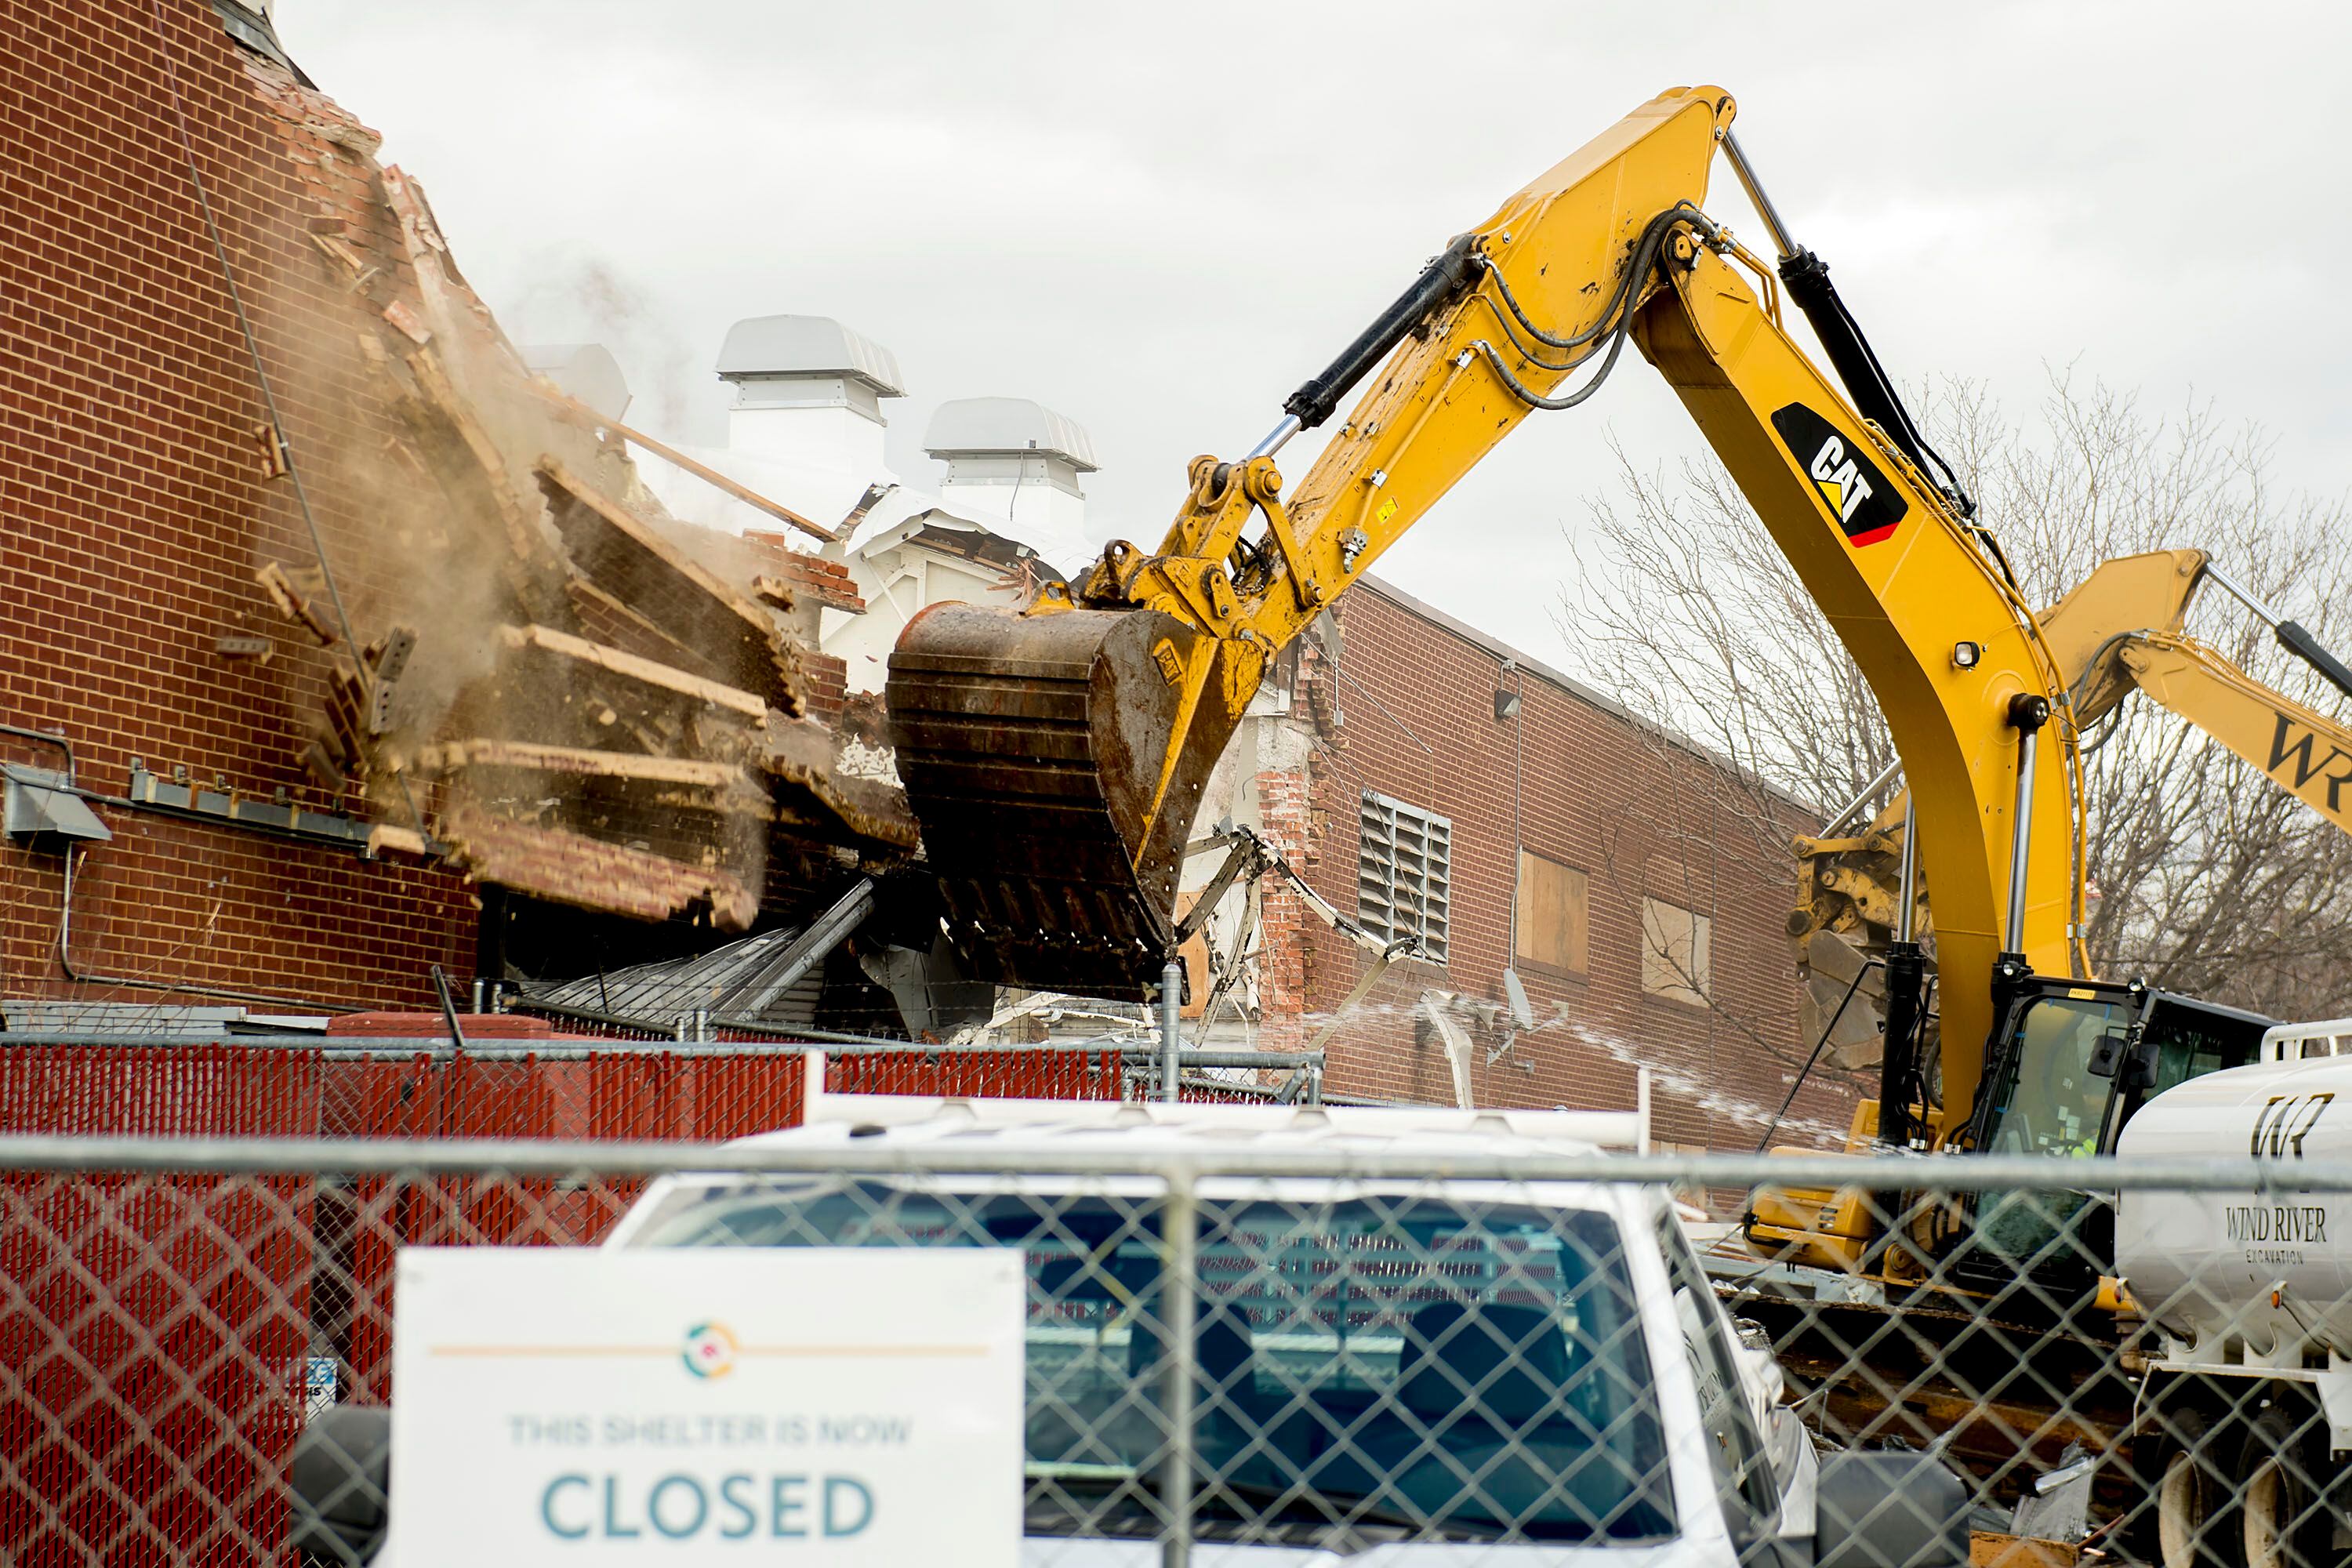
column 708, row 1406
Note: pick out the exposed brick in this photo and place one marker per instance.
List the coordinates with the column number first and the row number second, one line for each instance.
column 133, row 511
column 1596, row 792
column 827, row 582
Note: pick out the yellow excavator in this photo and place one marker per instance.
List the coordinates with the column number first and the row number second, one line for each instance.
column 1055, row 755
column 1862, row 905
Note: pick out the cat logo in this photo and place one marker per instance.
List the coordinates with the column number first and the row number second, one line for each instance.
column 1858, row 494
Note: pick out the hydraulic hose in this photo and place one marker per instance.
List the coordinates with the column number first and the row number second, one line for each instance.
column 1617, row 320
column 1681, row 211
column 1807, row 278
column 1440, row 282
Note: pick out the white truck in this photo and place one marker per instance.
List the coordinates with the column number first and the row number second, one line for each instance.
column 2239, row 1445
column 1394, row 1369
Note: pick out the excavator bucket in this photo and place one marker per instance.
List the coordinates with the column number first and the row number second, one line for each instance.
column 1056, row 762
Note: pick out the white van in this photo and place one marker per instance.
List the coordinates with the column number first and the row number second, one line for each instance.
column 1390, row 1371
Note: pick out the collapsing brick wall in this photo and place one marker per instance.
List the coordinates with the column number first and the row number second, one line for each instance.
column 609, row 742
column 276, row 706
column 134, row 511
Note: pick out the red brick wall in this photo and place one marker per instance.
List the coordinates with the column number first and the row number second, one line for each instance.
column 133, row 513
column 1599, row 793
column 1283, row 920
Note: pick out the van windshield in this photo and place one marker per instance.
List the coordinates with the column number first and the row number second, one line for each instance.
column 1375, row 1368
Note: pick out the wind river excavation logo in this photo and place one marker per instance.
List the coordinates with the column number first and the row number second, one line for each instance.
column 2291, row 750
column 1859, row 495
column 711, row 1350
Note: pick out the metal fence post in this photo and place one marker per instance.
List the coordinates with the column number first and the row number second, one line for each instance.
column 1172, row 999
column 1181, row 1240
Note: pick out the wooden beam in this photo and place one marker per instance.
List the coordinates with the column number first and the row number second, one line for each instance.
column 668, row 676
column 628, row 557
column 671, row 454
column 453, row 754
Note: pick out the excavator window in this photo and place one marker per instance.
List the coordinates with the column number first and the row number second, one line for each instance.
column 2050, row 1103
column 2060, row 1086
column 2056, row 1104
column 2188, row 1040
column 2060, row 1093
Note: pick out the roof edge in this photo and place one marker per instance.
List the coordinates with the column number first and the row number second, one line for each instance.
column 1489, row 642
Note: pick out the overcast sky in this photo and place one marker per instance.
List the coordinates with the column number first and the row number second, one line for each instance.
column 1159, row 219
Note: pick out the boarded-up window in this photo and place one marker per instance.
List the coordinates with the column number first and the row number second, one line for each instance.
column 1195, row 955
column 1676, row 956
column 1552, row 918
column 1401, row 866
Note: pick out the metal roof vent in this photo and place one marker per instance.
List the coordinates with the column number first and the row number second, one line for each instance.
column 763, row 348
column 999, row 426
column 40, row 807
column 1019, row 461
column 808, row 390
column 586, row 371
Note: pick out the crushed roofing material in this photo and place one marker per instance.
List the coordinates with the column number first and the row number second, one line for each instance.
column 709, row 982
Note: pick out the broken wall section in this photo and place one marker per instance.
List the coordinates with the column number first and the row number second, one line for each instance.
column 533, row 666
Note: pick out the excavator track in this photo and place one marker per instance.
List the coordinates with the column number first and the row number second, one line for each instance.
column 1034, row 749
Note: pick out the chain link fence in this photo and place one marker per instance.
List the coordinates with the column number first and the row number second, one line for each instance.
column 1330, row 1344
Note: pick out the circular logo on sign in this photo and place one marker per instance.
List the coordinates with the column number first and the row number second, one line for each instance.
column 710, row 1350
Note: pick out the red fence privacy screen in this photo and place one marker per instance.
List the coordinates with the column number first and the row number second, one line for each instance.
column 159, row 1339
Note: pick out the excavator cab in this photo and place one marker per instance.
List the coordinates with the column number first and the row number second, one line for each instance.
column 2075, row 1061
column 2079, row 1058
column 2071, row 1062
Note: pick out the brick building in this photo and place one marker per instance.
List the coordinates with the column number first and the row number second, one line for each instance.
column 1433, row 781
column 405, row 669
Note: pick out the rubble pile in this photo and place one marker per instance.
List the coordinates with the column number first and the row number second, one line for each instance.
column 530, row 668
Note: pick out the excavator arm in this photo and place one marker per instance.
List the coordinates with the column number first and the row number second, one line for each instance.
column 2124, row 628
column 2303, row 752
column 1055, row 755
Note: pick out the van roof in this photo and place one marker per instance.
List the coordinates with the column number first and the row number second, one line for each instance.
column 1057, row 1122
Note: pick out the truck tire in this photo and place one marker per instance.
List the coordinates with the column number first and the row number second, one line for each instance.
column 2284, row 1521
column 2197, row 1523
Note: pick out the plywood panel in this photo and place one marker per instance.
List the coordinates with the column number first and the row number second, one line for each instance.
column 1554, row 914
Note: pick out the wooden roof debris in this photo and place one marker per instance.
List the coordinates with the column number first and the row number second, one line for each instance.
column 566, row 868
column 694, row 466
column 629, row 666
column 581, row 705
column 734, row 639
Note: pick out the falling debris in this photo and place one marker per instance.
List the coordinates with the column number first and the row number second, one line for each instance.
column 544, row 675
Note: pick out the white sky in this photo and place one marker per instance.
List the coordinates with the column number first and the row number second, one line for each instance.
column 1159, row 219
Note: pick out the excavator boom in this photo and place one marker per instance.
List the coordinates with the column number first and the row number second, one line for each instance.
column 2303, row 752
column 1055, row 755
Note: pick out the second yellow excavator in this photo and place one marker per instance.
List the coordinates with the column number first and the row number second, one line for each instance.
column 1055, row 755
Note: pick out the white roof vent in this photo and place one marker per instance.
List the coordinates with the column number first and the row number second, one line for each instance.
column 762, row 348
column 991, row 425
column 587, row 372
